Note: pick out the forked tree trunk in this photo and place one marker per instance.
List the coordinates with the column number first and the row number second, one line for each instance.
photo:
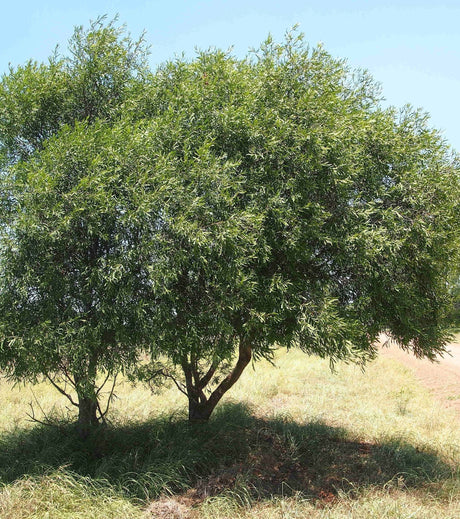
column 200, row 408
column 198, row 411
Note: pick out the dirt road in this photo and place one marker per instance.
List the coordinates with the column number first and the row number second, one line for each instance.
column 441, row 377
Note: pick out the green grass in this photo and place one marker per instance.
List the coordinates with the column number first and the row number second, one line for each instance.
column 293, row 440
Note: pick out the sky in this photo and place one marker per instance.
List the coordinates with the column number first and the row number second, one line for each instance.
column 411, row 47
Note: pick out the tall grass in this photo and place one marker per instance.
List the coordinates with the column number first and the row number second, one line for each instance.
column 294, row 440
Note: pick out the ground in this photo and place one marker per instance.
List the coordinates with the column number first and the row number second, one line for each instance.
column 291, row 440
column 442, row 377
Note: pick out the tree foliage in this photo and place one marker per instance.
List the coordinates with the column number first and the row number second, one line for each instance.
column 454, row 314
column 306, row 215
column 73, row 292
column 215, row 209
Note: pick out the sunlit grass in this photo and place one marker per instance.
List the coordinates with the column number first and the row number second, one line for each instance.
column 392, row 504
column 383, row 401
column 62, row 495
column 359, row 444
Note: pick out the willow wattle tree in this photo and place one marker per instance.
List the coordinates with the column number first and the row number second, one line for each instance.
column 72, row 290
column 303, row 214
column 210, row 211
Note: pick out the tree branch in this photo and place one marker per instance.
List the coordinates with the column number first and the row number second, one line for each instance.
column 32, row 417
column 104, row 383
column 178, row 385
column 71, row 400
column 244, row 357
column 109, row 399
column 206, row 378
column 67, row 375
column 36, row 420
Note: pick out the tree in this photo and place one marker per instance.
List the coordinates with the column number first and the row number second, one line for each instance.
column 303, row 215
column 72, row 289
column 211, row 211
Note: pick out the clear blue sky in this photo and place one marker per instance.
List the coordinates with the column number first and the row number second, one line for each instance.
column 411, row 47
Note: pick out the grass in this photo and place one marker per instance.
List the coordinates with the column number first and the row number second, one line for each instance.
column 289, row 441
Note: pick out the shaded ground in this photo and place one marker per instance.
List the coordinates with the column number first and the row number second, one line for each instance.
column 441, row 377
column 235, row 451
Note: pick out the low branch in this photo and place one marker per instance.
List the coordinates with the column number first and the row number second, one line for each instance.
column 32, row 417
column 104, row 383
column 100, row 412
column 178, row 385
column 244, row 357
column 67, row 375
column 71, row 400
column 165, row 374
column 204, row 381
column 109, row 399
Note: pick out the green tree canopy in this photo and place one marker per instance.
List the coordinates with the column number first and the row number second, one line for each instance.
column 306, row 215
column 95, row 80
column 73, row 292
column 211, row 211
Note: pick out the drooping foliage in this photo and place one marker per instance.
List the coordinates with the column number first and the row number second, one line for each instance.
column 307, row 215
column 73, row 291
column 454, row 314
column 213, row 210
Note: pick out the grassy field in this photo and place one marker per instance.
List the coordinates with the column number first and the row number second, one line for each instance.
column 290, row 441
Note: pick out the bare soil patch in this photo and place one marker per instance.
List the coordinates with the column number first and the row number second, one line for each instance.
column 442, row 377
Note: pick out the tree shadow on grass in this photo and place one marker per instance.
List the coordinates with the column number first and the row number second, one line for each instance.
column 234, row 450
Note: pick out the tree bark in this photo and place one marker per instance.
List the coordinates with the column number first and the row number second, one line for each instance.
column 87, row 415
column 88, row 404
column 200, row 410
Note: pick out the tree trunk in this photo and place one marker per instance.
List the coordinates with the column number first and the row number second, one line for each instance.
column 200, row 411
column 85, row 386
column 87, row 415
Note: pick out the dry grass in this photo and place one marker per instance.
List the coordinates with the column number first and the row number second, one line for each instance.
column 62, row 495
column 305, row 443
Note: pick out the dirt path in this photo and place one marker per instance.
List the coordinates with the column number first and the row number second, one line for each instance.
column 442, row 377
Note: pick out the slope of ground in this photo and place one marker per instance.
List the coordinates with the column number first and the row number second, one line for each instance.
column 442, row 377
